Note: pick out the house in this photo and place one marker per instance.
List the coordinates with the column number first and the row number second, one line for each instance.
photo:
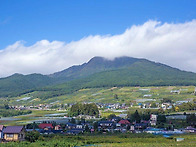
column 165, row 105
column 105, row 125
column 181, row 102
column 45, row 126
column 153, row 119
column 140, row 126
column 132, row 128
column 86, row 117
column 122, row 125
column 116, row 119
column 178, row 116
column 190, row 129
column 153, row 130
column 123, row 115
column 75, row 131
column 1, row 131
column 70, row 126
column 147, row 95
column 124, row 122
column 175, row 91
column 57, row 127
column 79, row 126
column 14, row 133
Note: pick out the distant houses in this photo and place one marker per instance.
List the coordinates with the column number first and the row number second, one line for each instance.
column 105, row 125
column 175, row 91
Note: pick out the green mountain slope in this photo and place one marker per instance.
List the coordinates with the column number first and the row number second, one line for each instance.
column 95, row 65
column 18, row 84
column 139, row 73
column 98, row 72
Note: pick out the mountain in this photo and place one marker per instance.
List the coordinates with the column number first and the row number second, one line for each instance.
column 139, row 72
column 98, row 72
column 18, row 83
column 95, row 65
column 124, row 71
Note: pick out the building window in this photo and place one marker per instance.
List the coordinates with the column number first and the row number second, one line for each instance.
column 10, row 135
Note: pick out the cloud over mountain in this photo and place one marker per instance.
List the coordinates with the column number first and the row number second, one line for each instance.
column 172, row 44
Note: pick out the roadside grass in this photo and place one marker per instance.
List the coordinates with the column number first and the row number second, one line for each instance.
column 119, row 140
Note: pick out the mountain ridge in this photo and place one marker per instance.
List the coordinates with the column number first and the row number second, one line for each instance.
column 98, row 72
column 94, row 65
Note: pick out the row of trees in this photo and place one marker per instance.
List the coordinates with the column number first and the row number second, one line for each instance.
column 137, row 117
column 7, row 111
column 12, row 112
column 187, row 106
column 84, row 109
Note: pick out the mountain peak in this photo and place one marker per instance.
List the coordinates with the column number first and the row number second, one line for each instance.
column 94, row 65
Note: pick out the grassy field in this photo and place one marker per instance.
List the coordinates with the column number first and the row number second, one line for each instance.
column 121, row 140
column 107, row 95
column 24, row 119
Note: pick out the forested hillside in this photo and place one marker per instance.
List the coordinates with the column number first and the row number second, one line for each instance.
column 98, row 72
column 18, row 84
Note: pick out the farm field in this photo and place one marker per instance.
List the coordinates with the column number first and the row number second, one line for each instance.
column 112, row 95
column 29, row 118
column 120, row 95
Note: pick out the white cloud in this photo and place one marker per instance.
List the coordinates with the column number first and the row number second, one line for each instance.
column 172, row 44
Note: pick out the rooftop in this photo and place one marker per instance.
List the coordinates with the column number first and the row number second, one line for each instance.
column 13, row 129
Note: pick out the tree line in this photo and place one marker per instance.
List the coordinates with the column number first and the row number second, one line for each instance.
column 84, row 109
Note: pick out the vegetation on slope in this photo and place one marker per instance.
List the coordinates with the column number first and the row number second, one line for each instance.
column 18, row 84
column 143, row 73
column 98, row 72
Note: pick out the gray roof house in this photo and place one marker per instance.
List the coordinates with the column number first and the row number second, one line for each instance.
column 14, row 133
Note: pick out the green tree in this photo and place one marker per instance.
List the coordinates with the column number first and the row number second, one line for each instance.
column 191, row 120
column 95, row 125
column 111, row 116
column 116, row 96
column 6, row 106
column 136, row 117
column 32, row 136
column 161, row 118
column 73, row 121
column 166, row 100
column 87, row 128
column 84, row 109
column 153, row 105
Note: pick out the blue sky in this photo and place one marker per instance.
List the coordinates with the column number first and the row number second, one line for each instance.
column 67, row 20
column 46, row 36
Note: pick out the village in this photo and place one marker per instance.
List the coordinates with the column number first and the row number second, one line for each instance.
column 156, row 122
column 113, row 125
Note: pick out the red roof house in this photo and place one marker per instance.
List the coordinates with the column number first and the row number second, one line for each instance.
column 124, row 122
column 45, row 126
